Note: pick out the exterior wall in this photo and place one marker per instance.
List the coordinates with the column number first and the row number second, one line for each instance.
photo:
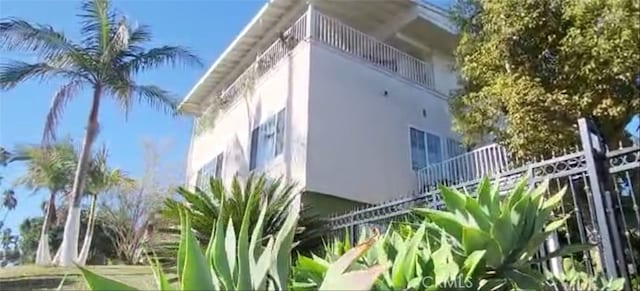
column 446, row 80
column 285, row 85
column 358, row 139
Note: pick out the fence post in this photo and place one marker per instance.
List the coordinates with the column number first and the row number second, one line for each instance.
column 594, row 152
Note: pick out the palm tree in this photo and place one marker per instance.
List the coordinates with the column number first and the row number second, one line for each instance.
column 101, row 179
column 105, row 61
column 48, row 168
column 9, row 202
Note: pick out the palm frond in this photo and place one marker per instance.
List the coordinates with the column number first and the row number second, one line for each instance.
column 15, row 72
column 59, row 101
column 17, row 34
column 161, row 56
column 118, row 43
column 156, row 97
column 138, row 34
column 97, row 18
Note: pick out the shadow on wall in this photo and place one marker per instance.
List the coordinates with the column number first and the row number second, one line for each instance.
column 239, row 160
column 325, row 205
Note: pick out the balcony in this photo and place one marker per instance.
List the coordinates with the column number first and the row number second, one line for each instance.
column 490, row 160
column 318, row 28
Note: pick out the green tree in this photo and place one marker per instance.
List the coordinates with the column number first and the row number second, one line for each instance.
column 30, row 230
column 531, row 68
column 48, row 168
column 105, row 61
column 102, row 179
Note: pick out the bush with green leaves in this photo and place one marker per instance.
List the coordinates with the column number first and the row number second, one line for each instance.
column 575, row 278
column 246, row 261
column 481, row 241
column 506, row 233
column 421, row 259
column 204, row 206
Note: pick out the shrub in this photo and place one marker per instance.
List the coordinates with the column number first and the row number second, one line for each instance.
column 243, row 262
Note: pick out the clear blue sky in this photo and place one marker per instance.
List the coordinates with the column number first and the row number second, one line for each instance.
column 204, row 26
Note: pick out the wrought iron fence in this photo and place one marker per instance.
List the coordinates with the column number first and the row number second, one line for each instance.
column 603, row 192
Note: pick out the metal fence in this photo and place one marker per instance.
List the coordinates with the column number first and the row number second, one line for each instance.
column 603, row 187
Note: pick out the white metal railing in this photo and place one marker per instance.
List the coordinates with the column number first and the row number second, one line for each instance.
column 339, row 36
column 488, row 160
column 268, row 59
column 334, row 33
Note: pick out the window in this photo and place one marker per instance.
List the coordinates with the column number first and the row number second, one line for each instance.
column 454, row 148
column 426, row 149
column 434, row 149
column 418, row 152
column 211, row 169
column 267, row 141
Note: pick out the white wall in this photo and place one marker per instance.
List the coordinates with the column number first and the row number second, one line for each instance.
column 286, row 84
column 358, row 140
column 444, row 77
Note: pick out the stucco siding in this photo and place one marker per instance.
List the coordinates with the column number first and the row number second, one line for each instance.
column 358, row 138
column 286, row 85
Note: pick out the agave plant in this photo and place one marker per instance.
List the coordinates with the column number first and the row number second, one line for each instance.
column 575, row 278
column 507, row 232
column 421, row 259
column 245, row 262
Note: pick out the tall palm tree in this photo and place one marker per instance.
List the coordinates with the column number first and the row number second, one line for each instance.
column 106, row 60
column 48, row 168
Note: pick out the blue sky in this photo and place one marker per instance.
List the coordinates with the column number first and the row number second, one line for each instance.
column 204, row 26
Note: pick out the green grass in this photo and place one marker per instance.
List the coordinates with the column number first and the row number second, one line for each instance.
column 32, row 277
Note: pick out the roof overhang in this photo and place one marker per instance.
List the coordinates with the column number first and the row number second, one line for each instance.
column 271, row 19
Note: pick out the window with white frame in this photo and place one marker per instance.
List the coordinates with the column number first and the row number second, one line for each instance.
column 267, row 141
column 434, row 149
column 212, row 169
column 454, row 148
column 426, row 148
column 418, row 152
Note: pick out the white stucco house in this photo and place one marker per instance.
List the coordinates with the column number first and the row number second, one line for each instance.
column 346, row 98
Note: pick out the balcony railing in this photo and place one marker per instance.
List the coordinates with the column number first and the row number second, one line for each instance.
column 334, row 33
column 489, row 160
column 337, row 35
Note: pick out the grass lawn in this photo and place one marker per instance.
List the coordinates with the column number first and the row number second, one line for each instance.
column 32, row 277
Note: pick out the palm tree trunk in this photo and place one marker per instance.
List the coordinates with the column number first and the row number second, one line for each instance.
column 43, row 254
column 69, row 246
column 88, row 236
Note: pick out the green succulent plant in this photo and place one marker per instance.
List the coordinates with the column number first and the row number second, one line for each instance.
column 575, row 278
column 508, row 231
column 204, row 207
column 246, row 261
column 421, row 259
column 479, row 242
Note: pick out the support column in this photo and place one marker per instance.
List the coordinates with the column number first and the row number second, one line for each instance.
column 594, row 150
column 310, row 15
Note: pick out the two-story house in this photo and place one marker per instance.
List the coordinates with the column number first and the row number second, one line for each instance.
column 346, row 98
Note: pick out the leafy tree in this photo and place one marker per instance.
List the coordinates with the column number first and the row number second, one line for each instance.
column 531, row 68
column 130, row 210
column 8, row 247
column 30, row 230
column 106, row 60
